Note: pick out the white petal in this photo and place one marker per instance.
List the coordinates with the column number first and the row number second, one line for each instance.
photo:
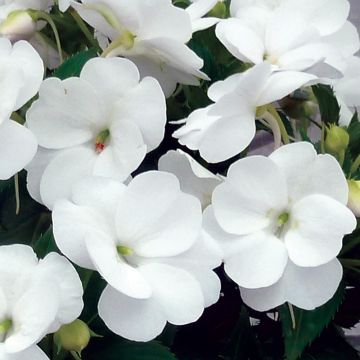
column 59, row 270
column 318, row 225
column 17, row 148
column 33, row 353
column 306, row 288
column 155, row 218
column 282, row 84
column 194, row 178
column 63, row 171
column 259, row 262
column 71, row 225
column 67, row 113
column 249, row 47
column 133, row 319
column 308, row 173
column 177, row 291
column 32, row 315
column 221, row 88
column 145, row 106
column 104, row 74
column 253, row 188
column 114, row 269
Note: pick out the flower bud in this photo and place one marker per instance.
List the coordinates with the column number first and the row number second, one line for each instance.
column 74, row 336
column 337, row 140
column 19, row 25
column 354, row 197
column 219, row 10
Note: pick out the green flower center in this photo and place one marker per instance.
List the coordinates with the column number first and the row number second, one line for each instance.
column 101, row 140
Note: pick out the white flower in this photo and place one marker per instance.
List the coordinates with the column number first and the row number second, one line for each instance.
column 294, row 36
column 143, row 241
column 280, row 218
column 347, row 90
column 152, row 33
column 102, row 123
column 21, row 73
column 354, row 197
column 194, row 178
column 36, row 298
column 197, row 10
column 226, row 128
column 64, row 4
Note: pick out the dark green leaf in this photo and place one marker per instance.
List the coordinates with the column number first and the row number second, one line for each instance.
column 328, row 104
column 74, row 65
column 309, row 324
column 45, row 244
column 127, row 350
column 354, row 132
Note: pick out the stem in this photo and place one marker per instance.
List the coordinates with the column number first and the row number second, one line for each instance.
column 17, row 194
column 82, row 26
column 45, row 16
column 350, row 262
column 292, row 314
column 355, row 165
column 112, row 46
column 280, row 123
column 322, row 144
column 274, row 126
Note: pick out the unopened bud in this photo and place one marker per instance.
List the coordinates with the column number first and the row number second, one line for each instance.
column 354, row 197
column 219, row 10
column 19, row 25
column 74, row 336
column 337, row 140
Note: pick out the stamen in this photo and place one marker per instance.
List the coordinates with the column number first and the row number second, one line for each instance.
column 101, row 140
column 5, row 326
column 124, row 250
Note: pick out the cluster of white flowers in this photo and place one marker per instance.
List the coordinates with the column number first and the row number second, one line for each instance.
column 277, row 223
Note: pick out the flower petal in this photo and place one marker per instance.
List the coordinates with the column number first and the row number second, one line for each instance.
column 243, row 202
column 318, row 225
column 133, row 319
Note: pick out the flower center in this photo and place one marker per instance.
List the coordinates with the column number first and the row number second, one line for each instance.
column 5, row 327
column 101, row 140
column 281, row 224
column 124, row 250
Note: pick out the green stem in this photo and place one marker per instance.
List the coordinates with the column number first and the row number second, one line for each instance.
column 350, row 262
column 355, row 165
column 322, row 143
column 82, row 26
column 17, row 193
column 278, row 119
column 45, row 16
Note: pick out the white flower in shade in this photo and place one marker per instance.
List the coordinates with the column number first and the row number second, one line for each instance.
column 21, row 73
column 64, row 4
column 354, row 196
column 194, row 178
column 291, row 35
column 347, row 90
column 225, row 128
column 36, row 298
column 197, row 10
column 102, row 123
column 144, row 241
column 282, row 218
column 152, row 33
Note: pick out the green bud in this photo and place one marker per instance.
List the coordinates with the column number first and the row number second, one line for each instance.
column 74, row 336
column 219, row 10
column 354, row 196
column 19, row 25
column 337, row 140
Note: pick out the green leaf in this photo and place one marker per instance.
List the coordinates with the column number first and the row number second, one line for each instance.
column 127, row 350
column 45, row 244
column 73, row 65
column 308, row 324
column 328, row 104
column 354, row 132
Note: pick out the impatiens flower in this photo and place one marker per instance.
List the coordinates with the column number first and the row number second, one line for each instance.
column 293, row 36
column 225, row 128
column 144, row 241
column 153, row 34
column 64, row 4
column 347, row 90
column 102, row 123
column 36, row 298
column 194, row 178
column 282, row 218
column 21, row 73
column 197, row 10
